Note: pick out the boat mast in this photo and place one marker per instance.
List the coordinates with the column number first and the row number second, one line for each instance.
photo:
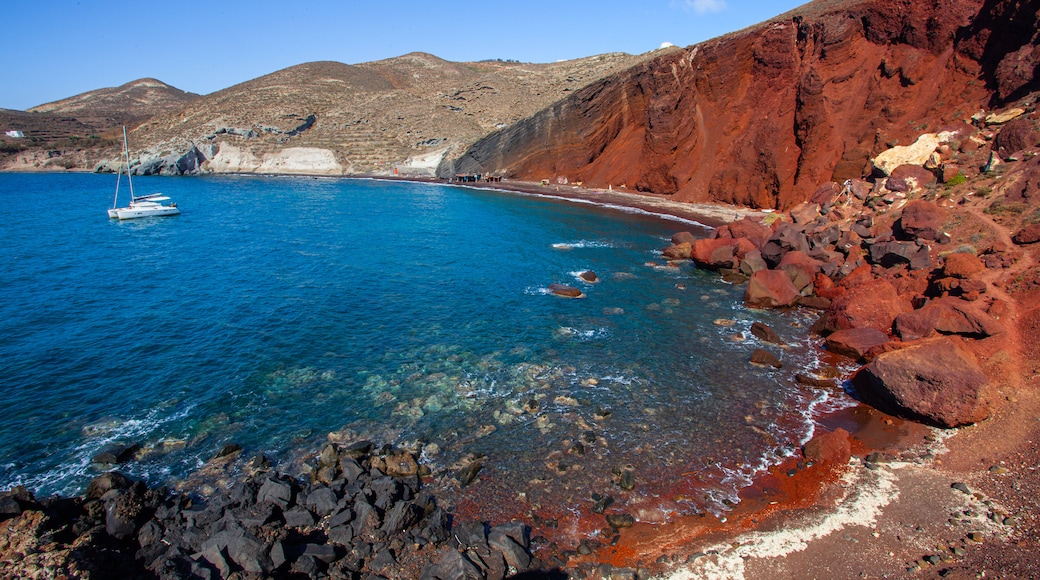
column 126, row 154
column 119, row 177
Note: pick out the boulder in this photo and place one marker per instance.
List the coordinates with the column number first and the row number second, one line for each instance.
column 872, row 304
column 679, row 251
column 565, row 291
column 860, row 189
column 683, row 238
column 801, row 269
column 515, row 554
column 834, row 447
column 101, row 484
column 891, row 254
column 936, row 381
column 1004, row 116
column 400, row 463
column 1015, row 136
column 1027, row 235
column 765, row 358
column 589, row 276
column 716, row 253
column 915, row 176
column 961, row 265
column 916, row 154
column 916, row 324
column 452, row 566
column 805, row 213
column 855, row 342
column 921, row 220
column 766, row 333
column 276, row 491
column 116, row 454
column 754, row 231
column 957, row 316
column 752, row 262
column 786, row 238
column 770, row 289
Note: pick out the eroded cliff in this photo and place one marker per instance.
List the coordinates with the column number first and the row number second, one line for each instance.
column 762, row 117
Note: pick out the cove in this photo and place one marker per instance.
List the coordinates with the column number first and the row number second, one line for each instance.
column 275, row 311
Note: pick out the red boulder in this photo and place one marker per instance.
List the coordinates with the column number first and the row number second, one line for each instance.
column 961, row 265
column 770, row 289
column 833, row 447
column 855, row 342
column 922, row 219
column 1028, row 235
column 935, row 381
column 873, row 304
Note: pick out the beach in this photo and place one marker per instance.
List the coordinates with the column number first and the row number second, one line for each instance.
column 897, row 515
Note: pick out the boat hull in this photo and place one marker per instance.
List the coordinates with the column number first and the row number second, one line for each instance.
column 129, row 213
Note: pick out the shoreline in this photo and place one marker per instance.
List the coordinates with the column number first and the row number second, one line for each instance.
column 879, row 516
column 794, row 521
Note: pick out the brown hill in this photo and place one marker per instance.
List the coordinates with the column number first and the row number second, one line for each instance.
column 365, row 118
column 128, row 104
column 764, row 116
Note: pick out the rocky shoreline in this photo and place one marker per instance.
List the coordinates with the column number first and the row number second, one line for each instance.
column 933, row 278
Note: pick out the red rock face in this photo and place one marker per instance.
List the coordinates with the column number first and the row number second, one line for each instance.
column 762, row 118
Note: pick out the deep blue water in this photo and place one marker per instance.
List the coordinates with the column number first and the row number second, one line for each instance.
column 276, row 310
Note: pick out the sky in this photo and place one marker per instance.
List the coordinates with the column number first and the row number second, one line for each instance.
column 60, row 48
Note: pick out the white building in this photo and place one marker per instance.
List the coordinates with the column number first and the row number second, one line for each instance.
column 15, row 134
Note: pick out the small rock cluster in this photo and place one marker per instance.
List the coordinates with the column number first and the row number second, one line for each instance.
column 363, row 515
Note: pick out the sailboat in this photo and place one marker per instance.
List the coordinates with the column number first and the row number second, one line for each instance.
column 143, row 206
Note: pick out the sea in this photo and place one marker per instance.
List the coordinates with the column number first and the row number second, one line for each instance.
column 276, row 313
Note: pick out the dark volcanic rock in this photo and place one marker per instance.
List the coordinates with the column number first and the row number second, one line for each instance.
column 889, row 254
column 764, row 332
column 105, row 482
column 935, row 381
column 765, row 358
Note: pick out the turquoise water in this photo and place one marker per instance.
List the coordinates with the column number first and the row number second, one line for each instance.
column 276, row 310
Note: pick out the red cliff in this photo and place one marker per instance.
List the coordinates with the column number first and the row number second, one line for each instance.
column 764, row 116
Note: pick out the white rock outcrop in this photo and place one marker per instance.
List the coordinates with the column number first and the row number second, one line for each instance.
column 301, row 160
column 232, row 159
column 916, row 154
column 289, row 161
column 424, row 164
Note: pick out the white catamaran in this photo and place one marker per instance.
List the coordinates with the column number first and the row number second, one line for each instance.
column 143, row 206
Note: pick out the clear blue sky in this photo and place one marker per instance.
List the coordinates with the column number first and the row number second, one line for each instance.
column 59, row 48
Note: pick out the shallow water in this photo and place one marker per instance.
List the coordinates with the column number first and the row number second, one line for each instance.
column 275, row 310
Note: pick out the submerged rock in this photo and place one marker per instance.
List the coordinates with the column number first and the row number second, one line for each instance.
column 765, row 358
column 565, row 291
